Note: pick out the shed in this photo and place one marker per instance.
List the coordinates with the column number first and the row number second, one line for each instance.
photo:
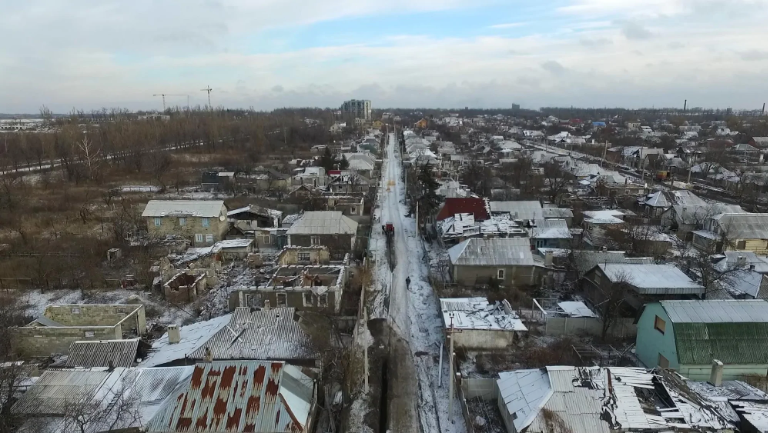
column 686, row 335
column 483, row 325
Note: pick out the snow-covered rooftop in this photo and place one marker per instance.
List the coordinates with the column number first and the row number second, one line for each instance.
column 477, row 314
column 652, row 278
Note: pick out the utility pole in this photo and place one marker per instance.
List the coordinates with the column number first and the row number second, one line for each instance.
column 208, row 89
column 605, row 151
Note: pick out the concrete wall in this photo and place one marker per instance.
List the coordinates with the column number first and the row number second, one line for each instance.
column 651, row 342
column 563, row 326
column 191, row 227
column 295, row 297
column 483, row 388
column 290, row 256
column 337, row 244
column 44, row 341
column 468, row 275
column 484, row 339
column 91, row 314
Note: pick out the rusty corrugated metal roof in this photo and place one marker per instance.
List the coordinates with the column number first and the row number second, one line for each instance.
column 238, row 396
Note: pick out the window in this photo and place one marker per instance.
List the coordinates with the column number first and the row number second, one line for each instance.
column 282, row 299
column 663, row 362
column 500, row 274
column 182, row 221
column 352, row 210
column 158, row 221
column 89, row 334
column 308, row 298
column 597, row 277
column 315, row 241
column 322, row 301
column 660, row 325
column 304, row 257
column 76, row 310
column 206, row 222
column 198, row 238
column 208, row 238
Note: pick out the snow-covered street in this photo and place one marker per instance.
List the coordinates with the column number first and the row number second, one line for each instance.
column 412, row 311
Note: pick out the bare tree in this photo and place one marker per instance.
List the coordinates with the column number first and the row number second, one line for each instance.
column 555, row 180
column 90, row 154
column 612, row 297
column 113, row 409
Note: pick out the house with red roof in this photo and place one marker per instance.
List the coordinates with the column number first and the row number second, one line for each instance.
column 464, row 205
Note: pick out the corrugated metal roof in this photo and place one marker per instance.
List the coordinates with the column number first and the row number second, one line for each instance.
column 519, row 209
column 556, row 213
column 492, row 252
column 54, row 390
column 551, row 229
column 263, row 334
column 744, row 226
column 731, row 343
column 323, row 223
column 653, row 278
column 716, row 311
column 246, row 396
column 193, row 208
column 193, row 336
column 93, row 354
column 144, row 390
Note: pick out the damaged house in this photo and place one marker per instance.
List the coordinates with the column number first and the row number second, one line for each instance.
column 316, row 288
column 62, row 325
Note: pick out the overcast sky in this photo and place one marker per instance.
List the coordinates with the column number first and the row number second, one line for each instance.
column 398, row 53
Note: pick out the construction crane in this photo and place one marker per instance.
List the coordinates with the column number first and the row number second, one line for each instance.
column 208, row 89
column 172, row 94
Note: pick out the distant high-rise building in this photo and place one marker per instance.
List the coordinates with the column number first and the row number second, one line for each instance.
column 515, row 106
column 359, row 108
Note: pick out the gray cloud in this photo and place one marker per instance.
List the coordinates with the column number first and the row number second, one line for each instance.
column 596, row 42
column 632, row 30
column 277, row 89
column 754, row 55
column 554, row 67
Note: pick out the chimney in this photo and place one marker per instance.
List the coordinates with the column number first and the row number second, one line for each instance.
column 716, row 376
column 174, row 335
column 741, row 261
column 208, row 358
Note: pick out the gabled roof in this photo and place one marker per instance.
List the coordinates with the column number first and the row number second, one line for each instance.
column 458, row 205
column 744, row 226
column 551, row 229
column 518, row 209
column 239, row 396
column 716, row 311
column 492, row 252
column 183, row 208
column 652, row 278
column 732, row 331
column 323, row 223
column 96, row 389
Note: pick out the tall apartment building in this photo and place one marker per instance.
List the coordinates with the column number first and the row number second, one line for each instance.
column 359, row 108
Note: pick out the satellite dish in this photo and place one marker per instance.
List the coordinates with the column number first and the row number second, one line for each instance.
column 222, row 217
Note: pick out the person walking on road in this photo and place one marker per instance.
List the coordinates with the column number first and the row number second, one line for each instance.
column 408, row 282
